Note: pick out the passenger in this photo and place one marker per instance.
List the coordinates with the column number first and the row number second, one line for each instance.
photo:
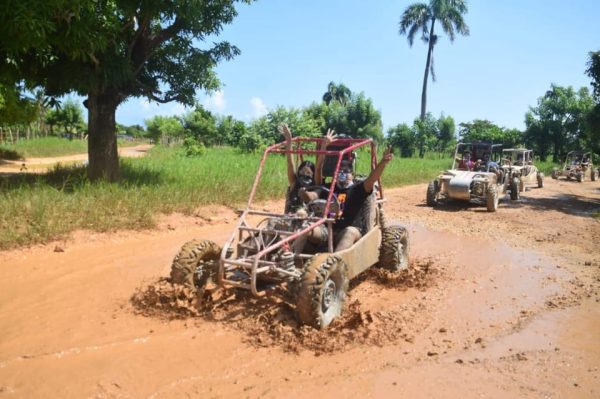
column 466, row 163
column 304, row 177
column 297, row 178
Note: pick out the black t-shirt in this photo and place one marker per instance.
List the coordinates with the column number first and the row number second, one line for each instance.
column 351, row 200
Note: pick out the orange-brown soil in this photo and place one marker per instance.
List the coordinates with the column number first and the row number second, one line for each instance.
column 502, row 305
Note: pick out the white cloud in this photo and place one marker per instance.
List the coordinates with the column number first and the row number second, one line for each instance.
column 215, row 102
column 259, row 108
column 150, row 109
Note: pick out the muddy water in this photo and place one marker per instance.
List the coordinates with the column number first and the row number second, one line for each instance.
column 475, row 315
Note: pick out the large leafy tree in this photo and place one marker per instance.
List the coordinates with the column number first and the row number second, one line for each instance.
column 347, row 113
column 559, row 121
column 484, row 130
column 423, row 17
column 109, row 50
column 403, row 137
column 200, row 124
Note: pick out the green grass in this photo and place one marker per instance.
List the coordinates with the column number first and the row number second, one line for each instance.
column 546, row 167
column 36, row 209
column 49, row 147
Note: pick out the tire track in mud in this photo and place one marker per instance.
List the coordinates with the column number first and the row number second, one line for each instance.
column 268, row 322
column 73, row 351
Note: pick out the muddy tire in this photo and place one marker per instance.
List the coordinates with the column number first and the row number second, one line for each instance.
column 322, row 290
column 579, row 177
column 196, row 264
column 540, row 180
column 432, row 190
column 593, row 175
column 382, row 220
column 515, row 188
column 393, row 254
column 554, row 174
column 491, row 199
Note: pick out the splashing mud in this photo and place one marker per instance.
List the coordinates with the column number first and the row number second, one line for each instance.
column 271, row 321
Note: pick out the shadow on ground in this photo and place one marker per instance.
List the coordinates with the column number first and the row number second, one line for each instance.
column 68, row 178
column 569, row 204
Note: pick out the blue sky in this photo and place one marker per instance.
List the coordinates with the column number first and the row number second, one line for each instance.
column 291, row 50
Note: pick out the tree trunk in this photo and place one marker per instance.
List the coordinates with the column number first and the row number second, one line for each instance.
column 102, row 140
column 426, row 75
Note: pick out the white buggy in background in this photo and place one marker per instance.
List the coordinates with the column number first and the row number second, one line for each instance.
column 481, row 182
column 519, row 170
column 577, row 166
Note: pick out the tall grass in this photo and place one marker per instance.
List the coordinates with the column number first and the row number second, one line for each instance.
column 49, row 147
column 37, row 209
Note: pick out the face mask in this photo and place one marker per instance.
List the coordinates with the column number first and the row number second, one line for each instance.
column 343, row 180
column 305, row 180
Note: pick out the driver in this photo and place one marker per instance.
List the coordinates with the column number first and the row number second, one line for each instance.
column 351, row 196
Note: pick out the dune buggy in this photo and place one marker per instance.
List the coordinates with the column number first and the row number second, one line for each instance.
column 576, row 166
column 476, row 180
column 261, row 255
column 519, row 170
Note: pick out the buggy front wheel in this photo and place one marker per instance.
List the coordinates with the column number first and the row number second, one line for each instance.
column 196, row 264
column 515, row 188
column 492, row 199
column 432, row 193
column 322, row 290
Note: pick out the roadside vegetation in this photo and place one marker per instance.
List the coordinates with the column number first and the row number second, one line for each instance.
column 36, row 209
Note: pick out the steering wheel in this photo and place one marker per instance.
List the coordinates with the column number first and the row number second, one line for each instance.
column 317, row 207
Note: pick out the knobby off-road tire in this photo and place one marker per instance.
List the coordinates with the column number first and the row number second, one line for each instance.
column 593, row 175
column 554, row 174
column 515, row 188
column 540, row 180
column 322, row 290
column 393, row 254
column 383, row 222
column 432, row 190
column 580, row 177
column 492, row 199
column 196, row 263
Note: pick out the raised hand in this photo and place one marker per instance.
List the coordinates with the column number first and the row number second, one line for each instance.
column 329, row 138
column 388, row 155
column 285, row 132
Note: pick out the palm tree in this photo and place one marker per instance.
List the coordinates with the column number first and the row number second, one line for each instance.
column 339, row 93
column 421, row 16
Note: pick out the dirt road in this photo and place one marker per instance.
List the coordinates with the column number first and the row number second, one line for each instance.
column 42, row 165
column 502, row 305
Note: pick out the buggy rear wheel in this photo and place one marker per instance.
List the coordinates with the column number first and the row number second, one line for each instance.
column 540, row 180
column 196, row 264
column 322, row 290
column 579, row 177
column 393, row 254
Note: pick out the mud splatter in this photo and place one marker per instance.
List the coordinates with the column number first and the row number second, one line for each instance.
column 271, row 321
